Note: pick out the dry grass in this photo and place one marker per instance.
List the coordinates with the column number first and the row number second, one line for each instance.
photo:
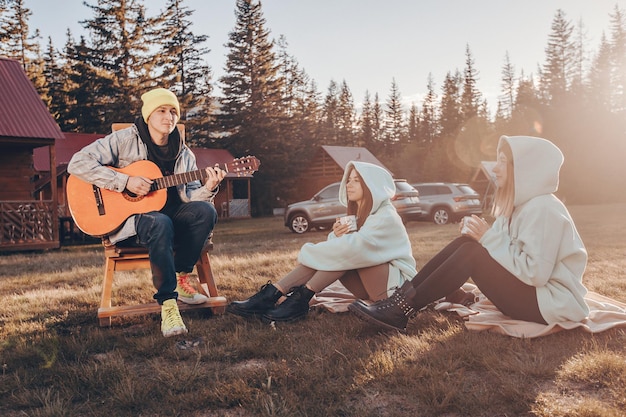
column 56, row 361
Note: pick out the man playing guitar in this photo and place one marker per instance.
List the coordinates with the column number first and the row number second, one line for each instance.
column 188, row 216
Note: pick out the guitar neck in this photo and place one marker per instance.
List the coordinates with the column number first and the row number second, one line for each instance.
column 177, row 179
column 240, row 166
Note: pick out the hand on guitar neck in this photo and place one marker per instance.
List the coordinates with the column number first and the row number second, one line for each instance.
column 139, row 185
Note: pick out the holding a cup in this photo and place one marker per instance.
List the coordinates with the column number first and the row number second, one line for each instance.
column 350, row 221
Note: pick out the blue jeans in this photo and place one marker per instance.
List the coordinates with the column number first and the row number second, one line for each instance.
column 174, row 241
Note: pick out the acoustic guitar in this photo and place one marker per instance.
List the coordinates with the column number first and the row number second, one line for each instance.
column 99, row 212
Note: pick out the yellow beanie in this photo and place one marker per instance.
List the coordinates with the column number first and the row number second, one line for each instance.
column 155, row 98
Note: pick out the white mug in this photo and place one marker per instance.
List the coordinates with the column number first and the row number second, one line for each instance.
column 465, row 229
column 350, row 221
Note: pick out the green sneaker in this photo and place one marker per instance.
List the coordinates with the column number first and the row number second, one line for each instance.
column 186, row 292
column 171, row 321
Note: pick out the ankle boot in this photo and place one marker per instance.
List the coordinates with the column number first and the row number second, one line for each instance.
column 392, row 313
column 296, row 306
column 257, row 305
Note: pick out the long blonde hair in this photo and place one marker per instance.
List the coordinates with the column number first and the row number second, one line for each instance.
column 366, row 203
column 504, row 199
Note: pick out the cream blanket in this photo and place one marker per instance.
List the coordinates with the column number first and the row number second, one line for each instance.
column 605, row 313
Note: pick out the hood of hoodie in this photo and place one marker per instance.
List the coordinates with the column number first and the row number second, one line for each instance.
column 536, row 163
column 377, row 179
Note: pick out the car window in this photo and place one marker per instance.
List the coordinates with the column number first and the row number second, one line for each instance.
column 404, row 186
column 422, row 190
column 330, row 192
column 466, row 189
column 442, row 189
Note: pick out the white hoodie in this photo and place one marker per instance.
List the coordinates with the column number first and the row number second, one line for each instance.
column 381, row 239
column 539, row 244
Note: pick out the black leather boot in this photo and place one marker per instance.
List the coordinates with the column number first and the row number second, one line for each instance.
column 257, row 305
column 296, row 306
column 392, row 313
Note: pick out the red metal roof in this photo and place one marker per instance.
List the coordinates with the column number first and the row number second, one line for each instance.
column 22, row 112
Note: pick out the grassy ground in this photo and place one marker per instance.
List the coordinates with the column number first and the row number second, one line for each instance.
column 57, row 361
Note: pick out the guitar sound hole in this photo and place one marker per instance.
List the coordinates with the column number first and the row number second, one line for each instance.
column 131, row 196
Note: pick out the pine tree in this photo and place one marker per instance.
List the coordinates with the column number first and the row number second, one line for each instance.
column 556, row 77
column 366, row 128
column 377, row 123
column 330, row 115
column 251, row 102
column 55, row 85
column 428, row 117
column 86, row 87
column 599, row 78
column 406, row 165
column 470, row 97
column 395, row 128
column 579, row 60
column 464, row 150
column 507, row 96
column 525, row 119
column 345, row 117
column 16, row 42
column 450, row 115
column 299, row 124
column 413, row 125
column 182, row 68
column 120, row 51
column 618, row 58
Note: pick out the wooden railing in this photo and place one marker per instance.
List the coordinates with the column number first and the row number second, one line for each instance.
column 28, row 224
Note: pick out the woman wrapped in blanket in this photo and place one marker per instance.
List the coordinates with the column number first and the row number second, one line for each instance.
column 370, row 261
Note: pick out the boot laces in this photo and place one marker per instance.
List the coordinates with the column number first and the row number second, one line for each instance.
column 397, row 299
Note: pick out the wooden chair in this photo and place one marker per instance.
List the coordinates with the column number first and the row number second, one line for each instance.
column 119, row 258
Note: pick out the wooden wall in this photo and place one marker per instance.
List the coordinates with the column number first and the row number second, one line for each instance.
column 322, row 171
column 25, row 223
column 16, row 173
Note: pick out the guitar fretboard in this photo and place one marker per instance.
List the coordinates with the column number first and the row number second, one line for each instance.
column 240, row 166
column 177, row 179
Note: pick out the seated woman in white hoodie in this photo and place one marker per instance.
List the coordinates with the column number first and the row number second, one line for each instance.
column 370, row 262
column 529, row 263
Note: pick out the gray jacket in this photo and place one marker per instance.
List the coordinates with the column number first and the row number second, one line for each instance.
column 120, row 149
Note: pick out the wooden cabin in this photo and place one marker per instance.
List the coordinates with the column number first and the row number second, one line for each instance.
column 26, row 222
column 233, row 200
column 327, row 166
column 484, row 182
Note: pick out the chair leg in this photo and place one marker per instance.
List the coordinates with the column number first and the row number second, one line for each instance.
column 205, row 274
column 207, row 283
column 107, row 284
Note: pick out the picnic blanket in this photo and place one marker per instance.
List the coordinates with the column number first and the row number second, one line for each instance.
column 605, row 313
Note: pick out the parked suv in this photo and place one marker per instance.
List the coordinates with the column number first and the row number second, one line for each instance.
column 447, row 202
column 322, row 210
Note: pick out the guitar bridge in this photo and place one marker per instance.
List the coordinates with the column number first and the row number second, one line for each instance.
column 98, row 197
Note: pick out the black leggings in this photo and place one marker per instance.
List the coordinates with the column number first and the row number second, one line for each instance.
column 464, row 258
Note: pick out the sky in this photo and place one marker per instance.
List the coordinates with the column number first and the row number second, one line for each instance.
column 370, row 43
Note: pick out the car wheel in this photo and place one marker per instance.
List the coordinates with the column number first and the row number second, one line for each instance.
column 441, row 216
column 299, row 224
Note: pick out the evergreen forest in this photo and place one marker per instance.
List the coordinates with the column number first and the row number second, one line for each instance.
column 267, row 105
